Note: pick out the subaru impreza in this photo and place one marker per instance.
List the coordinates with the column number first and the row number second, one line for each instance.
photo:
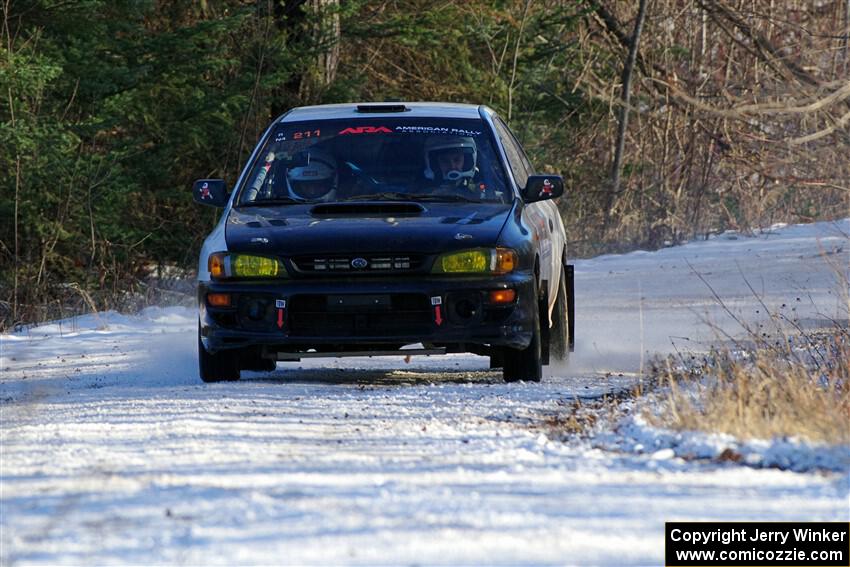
column 385, row 229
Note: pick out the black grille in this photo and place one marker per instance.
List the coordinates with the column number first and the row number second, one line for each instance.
column 359, row 316
column 369, row 264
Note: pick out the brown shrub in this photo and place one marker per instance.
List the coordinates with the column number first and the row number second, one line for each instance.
column 766, row 392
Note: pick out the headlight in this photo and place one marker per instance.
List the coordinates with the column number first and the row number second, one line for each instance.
column 226, row 266
column 477, row 261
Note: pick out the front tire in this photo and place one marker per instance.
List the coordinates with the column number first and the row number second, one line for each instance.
column 252, row 359
column 256, row 364
column 219, row 367
column 525, row 364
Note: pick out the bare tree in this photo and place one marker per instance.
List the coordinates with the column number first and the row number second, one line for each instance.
column 313, row 26
column 626, row 94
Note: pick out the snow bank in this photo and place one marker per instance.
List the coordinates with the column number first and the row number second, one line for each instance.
column 634, row 434
column 144, row 321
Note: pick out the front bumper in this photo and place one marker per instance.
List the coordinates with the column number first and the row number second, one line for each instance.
column 334, row 315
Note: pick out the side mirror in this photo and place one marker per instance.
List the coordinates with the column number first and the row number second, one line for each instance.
column 542, row 187
column 211, row 192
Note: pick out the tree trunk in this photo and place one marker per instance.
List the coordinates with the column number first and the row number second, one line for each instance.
column 846, row 32
column 325, row 34
column 311, row 27
column 626, row 96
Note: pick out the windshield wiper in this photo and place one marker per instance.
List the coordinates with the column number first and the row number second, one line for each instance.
column 442, row 197
column 385, row 196
column 399, row 196
column 271, row 202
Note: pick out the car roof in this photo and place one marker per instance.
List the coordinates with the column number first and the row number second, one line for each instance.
column 414, row 110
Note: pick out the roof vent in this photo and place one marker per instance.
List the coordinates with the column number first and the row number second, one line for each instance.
column 375, row 108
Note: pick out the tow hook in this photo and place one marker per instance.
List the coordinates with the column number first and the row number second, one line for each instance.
column 280, row 304
column 437, row 303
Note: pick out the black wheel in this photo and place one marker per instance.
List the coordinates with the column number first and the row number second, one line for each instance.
column 559, row 333
column 525, row 364
column 497, row 358
column 252, row 359
column 219, row 367
column 257, row 364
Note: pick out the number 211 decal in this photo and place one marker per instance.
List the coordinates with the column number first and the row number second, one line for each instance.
column 306, row 134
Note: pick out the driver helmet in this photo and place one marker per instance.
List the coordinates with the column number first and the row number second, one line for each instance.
column 312, row 176
column 450, row 158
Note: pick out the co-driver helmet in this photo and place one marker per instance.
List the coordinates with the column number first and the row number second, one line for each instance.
column 450, row 158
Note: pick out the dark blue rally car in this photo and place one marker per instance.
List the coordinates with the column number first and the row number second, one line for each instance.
column 379, row 229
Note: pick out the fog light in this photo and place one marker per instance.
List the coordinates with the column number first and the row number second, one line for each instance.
column 218, row 299
column 257, row 309
column 465, row 309
column 502, row 296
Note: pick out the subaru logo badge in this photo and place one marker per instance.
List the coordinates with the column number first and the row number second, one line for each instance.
column 359, row 263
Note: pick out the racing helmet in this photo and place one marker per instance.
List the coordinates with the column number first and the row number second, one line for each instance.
column 312, row 175
column 450, row 158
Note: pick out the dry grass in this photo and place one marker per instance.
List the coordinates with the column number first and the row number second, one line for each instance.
column 576, row 418
column 580, row 417
column 766, row 392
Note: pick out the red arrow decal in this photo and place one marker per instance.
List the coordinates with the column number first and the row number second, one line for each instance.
column 280, row 318
column 438, row 318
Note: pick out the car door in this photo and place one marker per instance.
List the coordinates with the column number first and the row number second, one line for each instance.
column 542, row 216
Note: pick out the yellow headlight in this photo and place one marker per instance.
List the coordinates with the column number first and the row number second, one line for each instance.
column 254, row 266
column 477, row 261
column 223, row 266
column 470, row 261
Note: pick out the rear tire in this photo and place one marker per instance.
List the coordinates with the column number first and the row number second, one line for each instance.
column 525, row 364
column 559, row 333
column 219, row 367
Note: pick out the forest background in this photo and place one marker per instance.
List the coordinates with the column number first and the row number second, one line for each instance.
column 669, row 119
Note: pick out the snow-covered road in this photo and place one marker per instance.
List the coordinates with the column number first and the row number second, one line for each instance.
column 114, row 452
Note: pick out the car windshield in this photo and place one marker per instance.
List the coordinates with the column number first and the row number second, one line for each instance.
column 376, row 159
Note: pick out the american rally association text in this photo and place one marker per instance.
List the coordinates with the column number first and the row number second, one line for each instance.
column 756, row 534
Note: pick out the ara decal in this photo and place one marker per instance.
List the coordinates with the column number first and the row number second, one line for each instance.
column 367, row 130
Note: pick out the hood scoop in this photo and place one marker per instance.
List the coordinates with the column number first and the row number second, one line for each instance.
column 373, row 209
